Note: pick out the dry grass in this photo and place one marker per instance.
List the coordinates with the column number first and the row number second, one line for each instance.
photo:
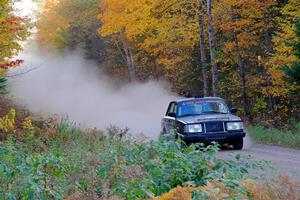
column 284, row 187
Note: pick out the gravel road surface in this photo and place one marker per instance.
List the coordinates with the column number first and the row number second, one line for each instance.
column 285, row 160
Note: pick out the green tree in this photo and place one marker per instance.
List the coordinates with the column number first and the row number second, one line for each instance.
column 293, row 72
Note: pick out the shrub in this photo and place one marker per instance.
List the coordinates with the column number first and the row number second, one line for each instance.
column 157, row 167
column 92, row 164
column 283, row 187
column 7, row 122
column 33, row 176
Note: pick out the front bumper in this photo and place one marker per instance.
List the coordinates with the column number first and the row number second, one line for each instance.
column 210, row 137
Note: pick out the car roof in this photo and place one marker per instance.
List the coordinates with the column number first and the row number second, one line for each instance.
column 199, row 98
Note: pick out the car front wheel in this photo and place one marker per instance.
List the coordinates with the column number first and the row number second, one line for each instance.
column 238, row 144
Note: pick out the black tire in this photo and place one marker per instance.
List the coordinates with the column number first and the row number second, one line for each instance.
column 238, row 144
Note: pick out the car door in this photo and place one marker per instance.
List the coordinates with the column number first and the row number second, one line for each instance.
column 169, row 121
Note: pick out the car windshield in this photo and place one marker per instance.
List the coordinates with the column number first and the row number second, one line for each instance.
column 201, row 107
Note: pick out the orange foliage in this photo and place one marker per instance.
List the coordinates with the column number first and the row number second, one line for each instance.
column 180, row 193
column 13, row 30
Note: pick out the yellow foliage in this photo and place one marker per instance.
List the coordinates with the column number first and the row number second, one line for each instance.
column 249, row 12
column 59, row 16
column 180, row 193
column 284, row 187
column 27, row 124
column 7, row 122
column 3, row 72
column 165, row 31
column 52, row 25
column 284, row 55
column 249, row 186
column 216, row 189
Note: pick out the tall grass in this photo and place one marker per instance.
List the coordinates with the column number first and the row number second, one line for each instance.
column 287, row 137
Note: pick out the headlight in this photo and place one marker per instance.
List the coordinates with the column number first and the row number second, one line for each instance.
column 231, row 126
column 193, row 128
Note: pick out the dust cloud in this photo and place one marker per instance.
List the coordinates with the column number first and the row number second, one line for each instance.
column 66, row 84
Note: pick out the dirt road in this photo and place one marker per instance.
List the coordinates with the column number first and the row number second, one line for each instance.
column 283, row 159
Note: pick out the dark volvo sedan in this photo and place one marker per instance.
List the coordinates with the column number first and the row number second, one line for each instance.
column 203, row 120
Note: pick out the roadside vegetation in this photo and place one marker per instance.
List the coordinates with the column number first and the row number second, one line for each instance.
column 51, row 159
column 287, row 136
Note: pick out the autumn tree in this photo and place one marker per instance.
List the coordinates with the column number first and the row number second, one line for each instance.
column 284, row 50
column 243, row 24
column 69, row 24
column 237, row 47
column 13, row 30
column 284, row 55
column 115, row 17
column 293, row 72
column 204, row 63
column 167, row 32
column 212, row 46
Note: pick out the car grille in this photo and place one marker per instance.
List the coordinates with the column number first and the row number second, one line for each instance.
column 214, row 127
column 216, row 137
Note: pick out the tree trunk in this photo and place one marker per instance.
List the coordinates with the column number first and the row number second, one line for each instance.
column 130, row 62
column 132, row 66
column 202, row 48
column 242, row 73
column 268, row 45
column 128, row 58
column 211, row 35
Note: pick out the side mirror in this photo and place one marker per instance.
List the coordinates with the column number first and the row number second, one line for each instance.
column 233, row 110
column 172, row 115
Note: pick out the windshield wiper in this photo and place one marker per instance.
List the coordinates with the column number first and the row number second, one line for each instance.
column 207, row 112
column 188, row 115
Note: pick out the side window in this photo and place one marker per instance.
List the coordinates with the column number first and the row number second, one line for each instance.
column 175, row 108
column 172, row 108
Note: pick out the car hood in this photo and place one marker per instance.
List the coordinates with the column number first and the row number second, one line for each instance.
column 208, row 117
